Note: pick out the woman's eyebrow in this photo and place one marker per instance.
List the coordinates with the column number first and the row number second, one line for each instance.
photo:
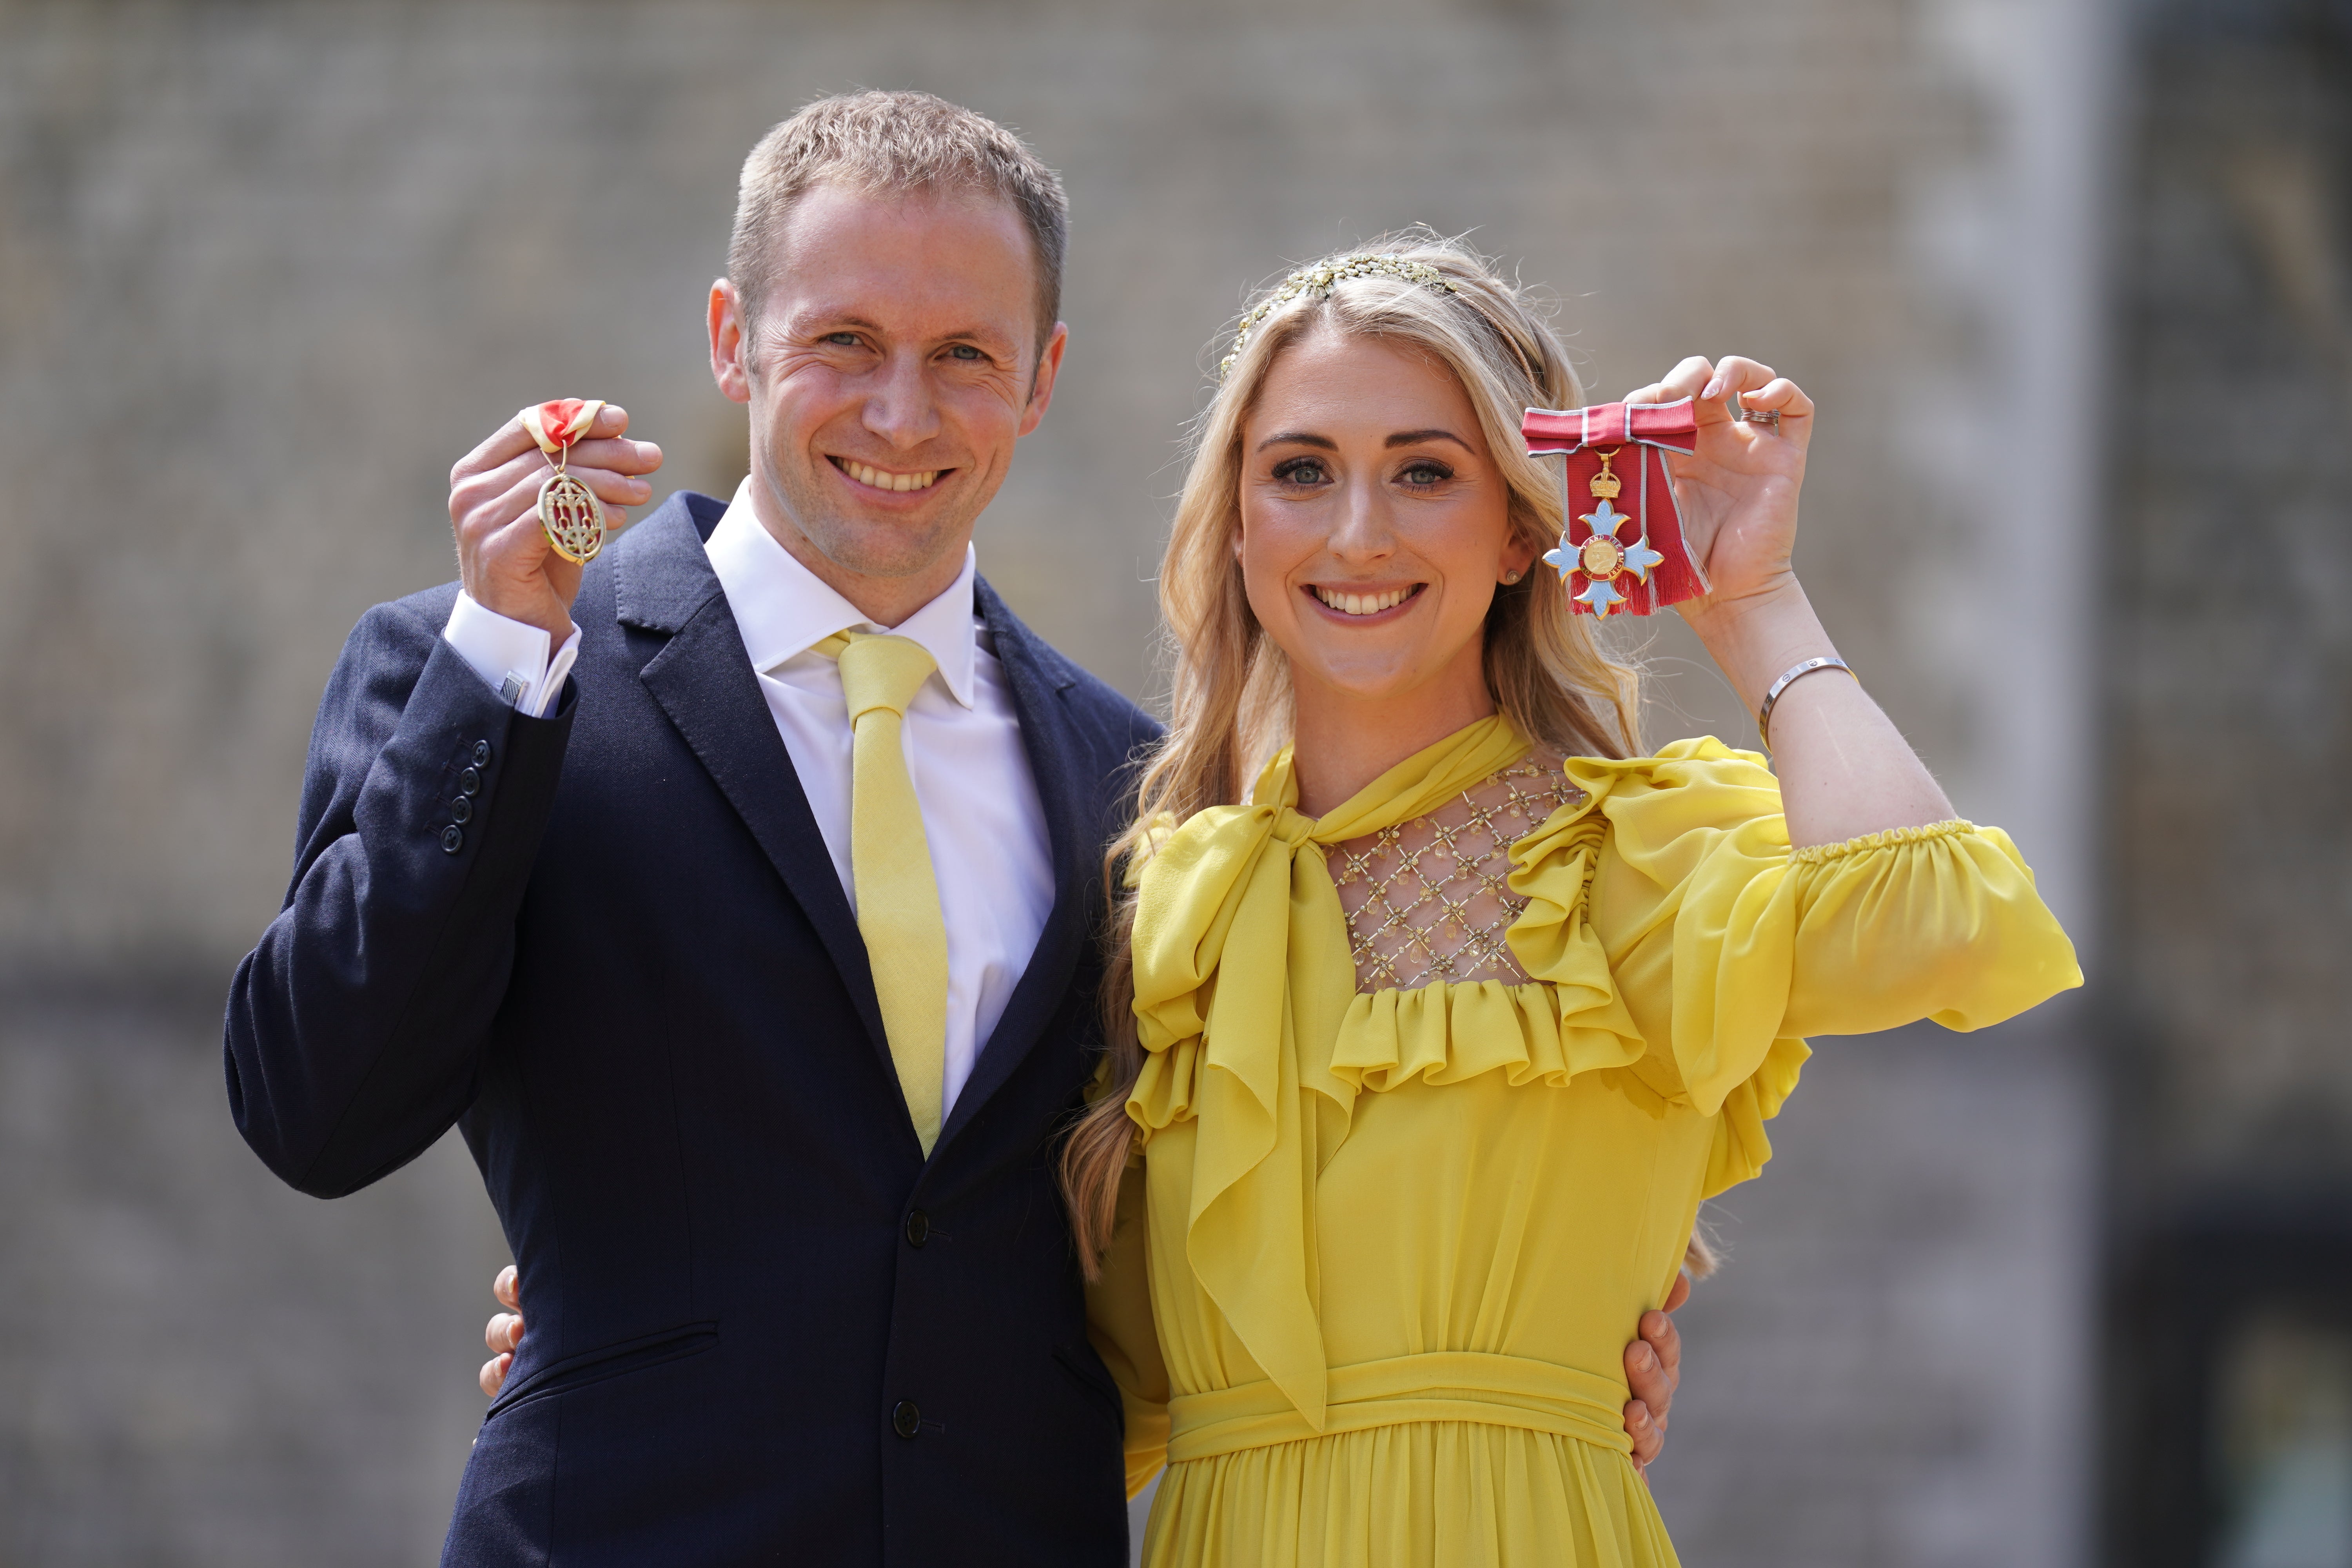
column 1301, row 438
column 1414, row 438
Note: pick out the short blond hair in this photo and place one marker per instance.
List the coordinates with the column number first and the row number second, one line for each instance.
column 898, row 145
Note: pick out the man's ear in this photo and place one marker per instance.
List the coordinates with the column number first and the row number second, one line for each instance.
column 1041, row 386
column 729, row 349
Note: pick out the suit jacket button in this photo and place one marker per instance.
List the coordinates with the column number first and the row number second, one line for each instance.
column 918, row 1228
column 453, row 839
column 904, row 1420
column 461, row 810
column 481, row 753
column 470, row 782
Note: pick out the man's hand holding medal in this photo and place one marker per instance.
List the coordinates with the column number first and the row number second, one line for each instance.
column 523, row 503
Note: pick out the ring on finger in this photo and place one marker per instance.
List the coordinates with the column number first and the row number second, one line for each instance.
column 1746, row 415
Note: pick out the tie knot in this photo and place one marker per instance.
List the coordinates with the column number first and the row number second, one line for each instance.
column 882, row 672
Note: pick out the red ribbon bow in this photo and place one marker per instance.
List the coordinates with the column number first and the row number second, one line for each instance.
column 1654, row 568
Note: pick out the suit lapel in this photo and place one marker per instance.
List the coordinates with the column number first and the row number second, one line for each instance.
column 1056, row 760
column 703, row 680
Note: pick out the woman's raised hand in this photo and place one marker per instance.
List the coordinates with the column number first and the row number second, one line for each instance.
column 1844, row 769
column 1737, row 490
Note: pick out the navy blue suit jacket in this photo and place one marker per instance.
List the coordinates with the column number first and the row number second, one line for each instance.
column 611, row 946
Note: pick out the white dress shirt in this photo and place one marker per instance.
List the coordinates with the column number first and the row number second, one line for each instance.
column 981, row 814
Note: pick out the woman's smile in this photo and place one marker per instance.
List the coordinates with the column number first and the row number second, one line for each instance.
column 1362, row 604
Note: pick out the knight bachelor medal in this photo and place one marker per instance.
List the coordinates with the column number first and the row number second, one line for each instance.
column 569, row 512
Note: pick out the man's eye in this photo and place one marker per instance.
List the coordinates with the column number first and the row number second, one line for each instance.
column 842, row 340
column 1300, row 471
column 966, row 351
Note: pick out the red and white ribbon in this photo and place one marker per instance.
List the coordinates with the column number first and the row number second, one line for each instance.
column 558, row 425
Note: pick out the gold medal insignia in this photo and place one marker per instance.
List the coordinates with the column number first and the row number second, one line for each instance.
column 568, row 511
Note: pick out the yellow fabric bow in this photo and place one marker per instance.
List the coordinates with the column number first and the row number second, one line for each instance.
column 1251, row 879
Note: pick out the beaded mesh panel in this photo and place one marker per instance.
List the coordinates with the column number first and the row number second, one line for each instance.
column 1427, row 900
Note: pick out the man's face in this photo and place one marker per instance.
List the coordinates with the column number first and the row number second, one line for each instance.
column 892, row 368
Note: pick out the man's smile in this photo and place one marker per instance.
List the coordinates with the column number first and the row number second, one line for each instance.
column 874, row 478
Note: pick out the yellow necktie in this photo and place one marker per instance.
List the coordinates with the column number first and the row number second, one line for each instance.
column 891, row 862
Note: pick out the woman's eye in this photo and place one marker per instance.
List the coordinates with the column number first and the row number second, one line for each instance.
column 1300, row 471
column 1426, row 474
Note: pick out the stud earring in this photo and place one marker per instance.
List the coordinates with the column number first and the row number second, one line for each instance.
column 1511, row 577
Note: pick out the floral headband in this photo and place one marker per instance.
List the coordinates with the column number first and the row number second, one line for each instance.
column 1319, row 280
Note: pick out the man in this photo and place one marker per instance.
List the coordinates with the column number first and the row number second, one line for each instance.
column 604, row 867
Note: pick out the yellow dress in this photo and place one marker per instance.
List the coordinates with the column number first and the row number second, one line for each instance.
column 1393, row 1244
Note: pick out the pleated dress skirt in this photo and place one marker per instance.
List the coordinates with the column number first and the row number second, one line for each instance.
column 1427, row 1494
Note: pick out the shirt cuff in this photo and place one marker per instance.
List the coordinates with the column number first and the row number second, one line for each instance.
column 509, row 656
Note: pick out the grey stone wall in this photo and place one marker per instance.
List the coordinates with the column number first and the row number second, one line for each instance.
column 266, row 271
column 2229, row 673
column 201, row 1366
column 2231, row 593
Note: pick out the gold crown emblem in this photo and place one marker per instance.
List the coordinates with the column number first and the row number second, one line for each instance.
column 1319, row 280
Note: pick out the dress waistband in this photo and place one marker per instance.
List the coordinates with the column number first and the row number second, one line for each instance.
column 1445, row 1385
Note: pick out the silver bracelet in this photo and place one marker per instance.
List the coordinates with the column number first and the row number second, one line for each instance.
column 1789, row 677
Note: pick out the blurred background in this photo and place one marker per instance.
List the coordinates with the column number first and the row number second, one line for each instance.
column 2069, row 278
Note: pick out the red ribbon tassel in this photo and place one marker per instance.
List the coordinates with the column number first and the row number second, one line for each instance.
column 1636, row 436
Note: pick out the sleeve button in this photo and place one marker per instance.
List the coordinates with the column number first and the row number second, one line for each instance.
column 470, row 782
column 461, row 810
column 481, row 753
column 453, row 839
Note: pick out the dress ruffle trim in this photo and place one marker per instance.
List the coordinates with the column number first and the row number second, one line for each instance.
column 1719, row 869
column 1565, row 1020
column 1568, row 1018
column 1163, row 1091
column 1742, row 1149
column 1816, row 854
column 1452, row 1032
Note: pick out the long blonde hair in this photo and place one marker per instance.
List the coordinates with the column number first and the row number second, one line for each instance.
column 1229, row 708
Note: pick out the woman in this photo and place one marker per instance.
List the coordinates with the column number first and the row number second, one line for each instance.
column 1439, row 1008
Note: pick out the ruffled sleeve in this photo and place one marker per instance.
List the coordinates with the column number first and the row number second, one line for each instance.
column 1727, row 948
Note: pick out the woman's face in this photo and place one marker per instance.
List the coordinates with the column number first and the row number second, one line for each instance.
column 1375, row 525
